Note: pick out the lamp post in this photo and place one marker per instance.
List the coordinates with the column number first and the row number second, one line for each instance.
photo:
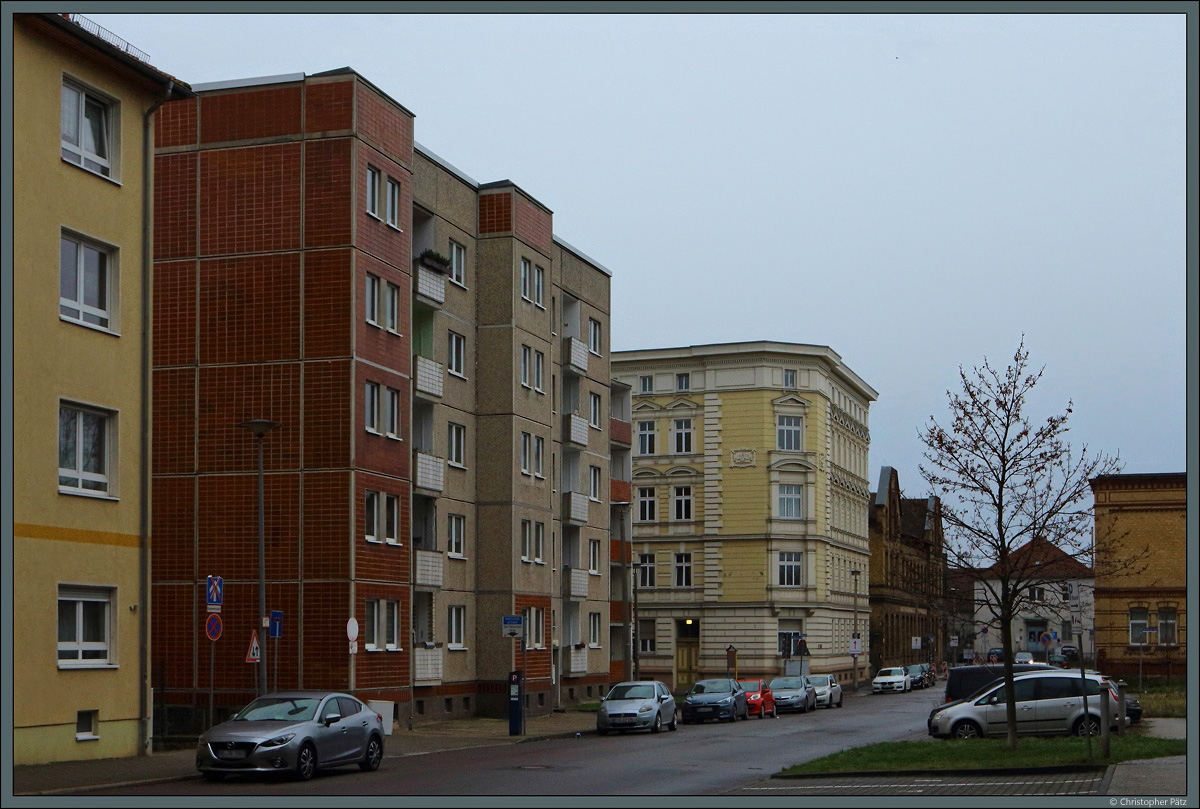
column 855, row 649
column 260, row 427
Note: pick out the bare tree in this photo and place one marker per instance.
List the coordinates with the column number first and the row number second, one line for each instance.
column 1004, row 481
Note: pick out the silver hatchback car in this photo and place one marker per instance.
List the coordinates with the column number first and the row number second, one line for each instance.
column 635, row 706
column 293, row 732
column 1048, row 702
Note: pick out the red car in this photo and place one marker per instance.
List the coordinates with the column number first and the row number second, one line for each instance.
column 760, row 700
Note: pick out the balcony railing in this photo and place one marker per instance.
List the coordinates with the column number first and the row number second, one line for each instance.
column 430, row 376
column 427, row 665
column 431, row 284
column 619, row 491
column 578, row 662
column 575, row 583
column 575, row 507
column 620, row 432
column 575, row 429
column 431, row 472
column 575, row 352
column 429, row 568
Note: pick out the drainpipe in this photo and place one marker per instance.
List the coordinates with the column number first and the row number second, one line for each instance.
column 144, row 731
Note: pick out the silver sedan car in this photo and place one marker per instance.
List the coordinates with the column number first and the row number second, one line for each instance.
column 636, row 706
column 293, row 732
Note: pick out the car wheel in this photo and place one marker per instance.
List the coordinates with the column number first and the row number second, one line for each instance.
column 306, row 762
column 774, row 711
column 733, row 714
column 966, row 730
column 1087, row 726
column 372, row 756
column 602, row 731
column 839, row 700
column 657, row 726
column 674, row 723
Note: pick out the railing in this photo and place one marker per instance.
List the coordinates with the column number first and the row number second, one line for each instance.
column 430, row 376
column 427, row 664
column 575, row 507
column 108, row 36
column 620, row 432
column 576, row 352
column 578, row 661
column 575, row 583
column 431, row 472
column 576, row 429
column 619, row 491
column 429, row 568
column 430, row 284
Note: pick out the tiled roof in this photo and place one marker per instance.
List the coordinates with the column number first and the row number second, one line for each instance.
column 1049, row 561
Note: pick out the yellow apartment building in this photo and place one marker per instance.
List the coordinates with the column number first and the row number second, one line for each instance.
column 80, row 389
column 750, row 501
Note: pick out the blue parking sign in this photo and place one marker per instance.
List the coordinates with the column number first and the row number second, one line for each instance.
column 214, row 593
column 277, row 623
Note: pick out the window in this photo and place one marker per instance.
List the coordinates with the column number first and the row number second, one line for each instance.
column 87, row 725
column 593, row 336
column 790, row 502
column 1138, row 620
column 647, row 504
column 594, row 481
column 646, row 384
column 526, row 454
column 84, row 438
column 373, row 191
column 371, row 300
column 683, row 381
column 646, row 438
column 1037, row 594
column 458, row 263
column 645, row 570
column 539, row 370
column 86, row 279
column 594, row 409
column 88, row 129
column 526, row 281
column 789, row 378
column 537, row 629
column 645, row 631
column 526, row 365
column 371, row 517
column 539, row 453
column 456, row 354
column 382, row 625
column 789, row 643
column 683, row 570
column 393, row 203
column 539, row 541
column 594, row 630
column 1167, row 622
column 526, row 540
column 683, row 502
column 788, row 433
column 683, row 436
column 594, row 556
column 789, row 569
column 372, row 406
column 456, row 532
column 391, row 519
column 84, row 625
column 393, row 308
column 539, row 285
column 456, row 619
column 391, row 413
column 456, row 443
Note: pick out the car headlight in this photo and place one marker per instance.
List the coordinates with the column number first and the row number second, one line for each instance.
column 755, row 696
column 278, row 740
column 646, row 708
column 727, row 701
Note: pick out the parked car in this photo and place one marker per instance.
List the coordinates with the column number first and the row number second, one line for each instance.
column 963, row 681
column 1047, row 702
column 916, row 673
column 1068, row 651
column 829, row 692
column 1023, row 657
column 637, row 705
column 794, row 694
column 891, row 679
column 1133, row 709
column 1057, row 660
column 715, row 699
column 760, row 699
column 295, row 732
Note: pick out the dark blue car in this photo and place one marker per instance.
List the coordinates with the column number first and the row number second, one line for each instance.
column 715, row 699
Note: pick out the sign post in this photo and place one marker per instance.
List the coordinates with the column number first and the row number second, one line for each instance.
column 276, row 633
column 214, row 597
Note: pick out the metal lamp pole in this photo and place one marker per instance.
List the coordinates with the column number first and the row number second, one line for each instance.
column 260, row 427
column 854, row 628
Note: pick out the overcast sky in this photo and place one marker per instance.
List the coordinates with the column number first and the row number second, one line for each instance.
column 914, row 191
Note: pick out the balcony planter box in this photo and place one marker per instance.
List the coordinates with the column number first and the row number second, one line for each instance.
column 434, row 261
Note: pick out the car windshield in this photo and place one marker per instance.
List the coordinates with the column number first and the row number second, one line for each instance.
column 711, row 687
column 892, row 673
column 819, row 679
column 750, row 685
column 915, row 669
column 279, row 709
column 787, row 682
column 631, row 691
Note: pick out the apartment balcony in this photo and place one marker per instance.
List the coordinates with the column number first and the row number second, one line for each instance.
column 427, row 666
column 575, row 508
column 577, row 664
column 575, row 583
column 431, row 472
column 429, row 568
column 430, row 377
column 619, row 491
column 619, row 552
column 575, row 355
column 619, row 612
column 620, row 432
column 431, row 285
column 575, row 430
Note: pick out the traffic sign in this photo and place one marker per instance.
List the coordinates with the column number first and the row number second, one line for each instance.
column 352, row 630
column 512, row 626
column 1044, row 639
column 277, row 623
column 212, row 625
column 214, row 593
column 253, row 653
column 855, row 646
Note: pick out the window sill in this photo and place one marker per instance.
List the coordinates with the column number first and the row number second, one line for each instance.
column 460, row 284
column 456, row 647
column 459, row 374
column 526, row 559
column 71, row 665
column 373, row 540
column 393, row 543
column 539, row 390
column 593, row 572
column 372, row 432
column 538, row 562
column 374, row 216
column 91, row 326
column 395, row 332
column 393, row 227
column 456, row 465
column 455, row 556
column 86, row 493
column 373, row 323
column 540, row 305
column 91, row 172
column 394, row 649
column 594, row 426
column 86, row 737
column 539, row 476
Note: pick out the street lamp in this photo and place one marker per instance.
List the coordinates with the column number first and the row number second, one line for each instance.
column 260, row 427
column 855, row 650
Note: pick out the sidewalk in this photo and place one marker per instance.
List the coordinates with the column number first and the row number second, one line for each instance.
column 1166, row 776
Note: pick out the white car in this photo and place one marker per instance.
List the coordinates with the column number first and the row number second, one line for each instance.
column 829, row 693
column 893, row 679
column 1023, row 657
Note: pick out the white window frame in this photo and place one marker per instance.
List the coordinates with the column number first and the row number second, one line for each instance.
column 393, row 203
column 456, row 445
column 539, row 456
column 681, row 504
column 790, row 501
column 646, row 571
column 595, row 336
column 789, row 378
column 791, row 569
column 681, row 433
column 537, row 628
column 526, row 281
column 371, row 300
column 594, row 630
column 456, row 535
column 1137, row 637
column 77, row 479
column 71, row 599
column 391, row 519
column 539, row 286
column 391, row 413
column 594, row 556
column 392, row 309
column 646, row 384
column 683, row 570
column 74, row 149
column 526, row 453
column 594, row 483
column 526, row 362
column 647, row 504
column 683, row 382
column 371, row 405
column 647, row 438
column 539, row 371
column 372, row 201
column 456, row 354
column 539, row 542
column 458, row 264
column 789, row 433
column 456, row 621
column 371, row 516
column 76, row 309
column 595, row 408
column 526, row 540
column 381, row 615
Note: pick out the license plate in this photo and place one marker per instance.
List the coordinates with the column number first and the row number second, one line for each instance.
column 623, row 720
column 704, row 710
column 231, row 755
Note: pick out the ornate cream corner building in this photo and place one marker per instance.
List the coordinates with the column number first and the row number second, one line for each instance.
column 750, row 500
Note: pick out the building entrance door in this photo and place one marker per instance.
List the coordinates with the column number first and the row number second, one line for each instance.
column 687, row 653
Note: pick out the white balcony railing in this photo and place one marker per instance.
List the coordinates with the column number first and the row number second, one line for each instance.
column 575, row 507
column 431, row 284
column 431, row 472
column 429, row 568
column 427, row 664
column 430, row 376
column 577, row 430
column 579, row 661
column 577, row 355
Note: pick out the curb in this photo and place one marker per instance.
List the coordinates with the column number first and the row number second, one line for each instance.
column 1062, row 768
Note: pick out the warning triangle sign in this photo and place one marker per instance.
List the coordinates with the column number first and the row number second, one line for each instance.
column 252, row 652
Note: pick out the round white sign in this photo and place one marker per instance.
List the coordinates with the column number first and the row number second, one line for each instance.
column 352, row 629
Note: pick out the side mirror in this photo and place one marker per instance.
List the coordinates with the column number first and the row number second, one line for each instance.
column 332, row 718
